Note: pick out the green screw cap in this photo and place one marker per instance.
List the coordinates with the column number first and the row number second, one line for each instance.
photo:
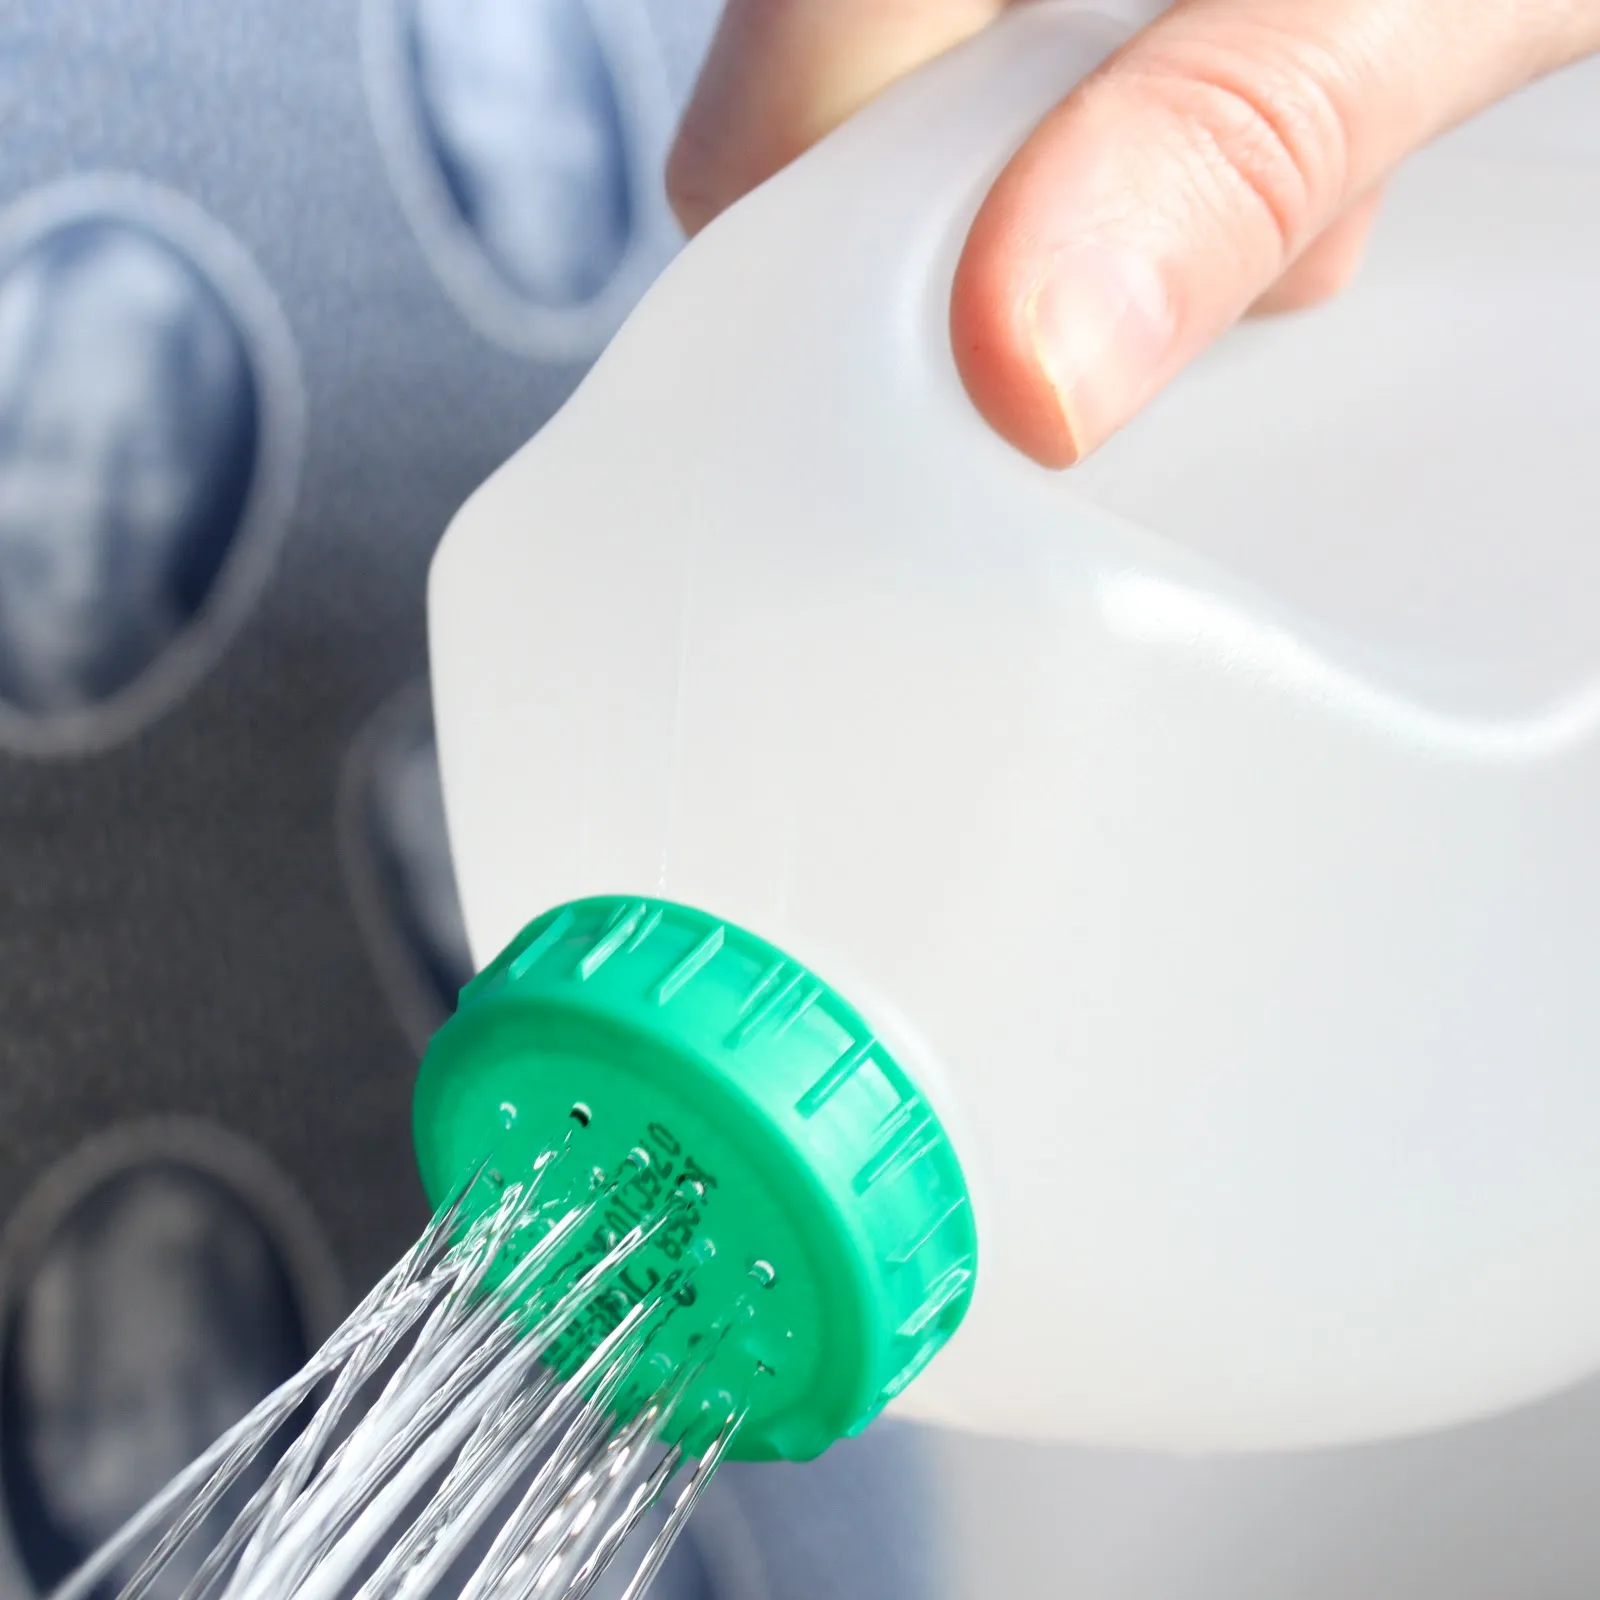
column 834, row 1206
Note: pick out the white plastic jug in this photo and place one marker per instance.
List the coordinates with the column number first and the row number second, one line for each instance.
column 1213, row 828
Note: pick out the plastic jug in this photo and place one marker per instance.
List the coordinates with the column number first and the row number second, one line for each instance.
column 1238, row 914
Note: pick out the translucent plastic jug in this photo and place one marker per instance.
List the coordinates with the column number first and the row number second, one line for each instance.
column 1228, row 878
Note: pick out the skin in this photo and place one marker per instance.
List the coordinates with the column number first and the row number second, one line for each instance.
column 1229, row 158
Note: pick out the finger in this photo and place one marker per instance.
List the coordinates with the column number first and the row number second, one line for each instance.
column 782, row 73
column 1327, row 264
column 1176, row 185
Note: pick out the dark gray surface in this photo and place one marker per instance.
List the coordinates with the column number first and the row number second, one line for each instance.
column 178, row 928
column 177, row 933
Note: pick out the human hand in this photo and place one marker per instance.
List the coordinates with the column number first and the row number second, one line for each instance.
column 1229, row 157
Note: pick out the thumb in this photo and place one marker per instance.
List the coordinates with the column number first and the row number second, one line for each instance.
column 1174, row 187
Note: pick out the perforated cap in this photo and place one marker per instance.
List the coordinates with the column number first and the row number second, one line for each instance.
column 829, row 1183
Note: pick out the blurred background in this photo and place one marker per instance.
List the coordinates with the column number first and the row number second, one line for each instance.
column 279, row 286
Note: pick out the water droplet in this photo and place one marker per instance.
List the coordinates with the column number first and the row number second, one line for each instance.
column 508, row 1114
column 764, row 1273
column 581, row 1114
column 639, row 1156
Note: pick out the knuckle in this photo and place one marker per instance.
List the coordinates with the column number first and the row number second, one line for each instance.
column 1261, row 122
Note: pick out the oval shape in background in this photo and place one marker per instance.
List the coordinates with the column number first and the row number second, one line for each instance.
column 397, row 863
column 526, row 144
column 157, row 1283
column 151, row 429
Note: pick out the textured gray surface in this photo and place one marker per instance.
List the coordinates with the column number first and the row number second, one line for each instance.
column 177, row 932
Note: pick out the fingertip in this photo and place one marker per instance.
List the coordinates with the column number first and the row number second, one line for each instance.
column 992, row 339
column 725, row 140
column 692, row 198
